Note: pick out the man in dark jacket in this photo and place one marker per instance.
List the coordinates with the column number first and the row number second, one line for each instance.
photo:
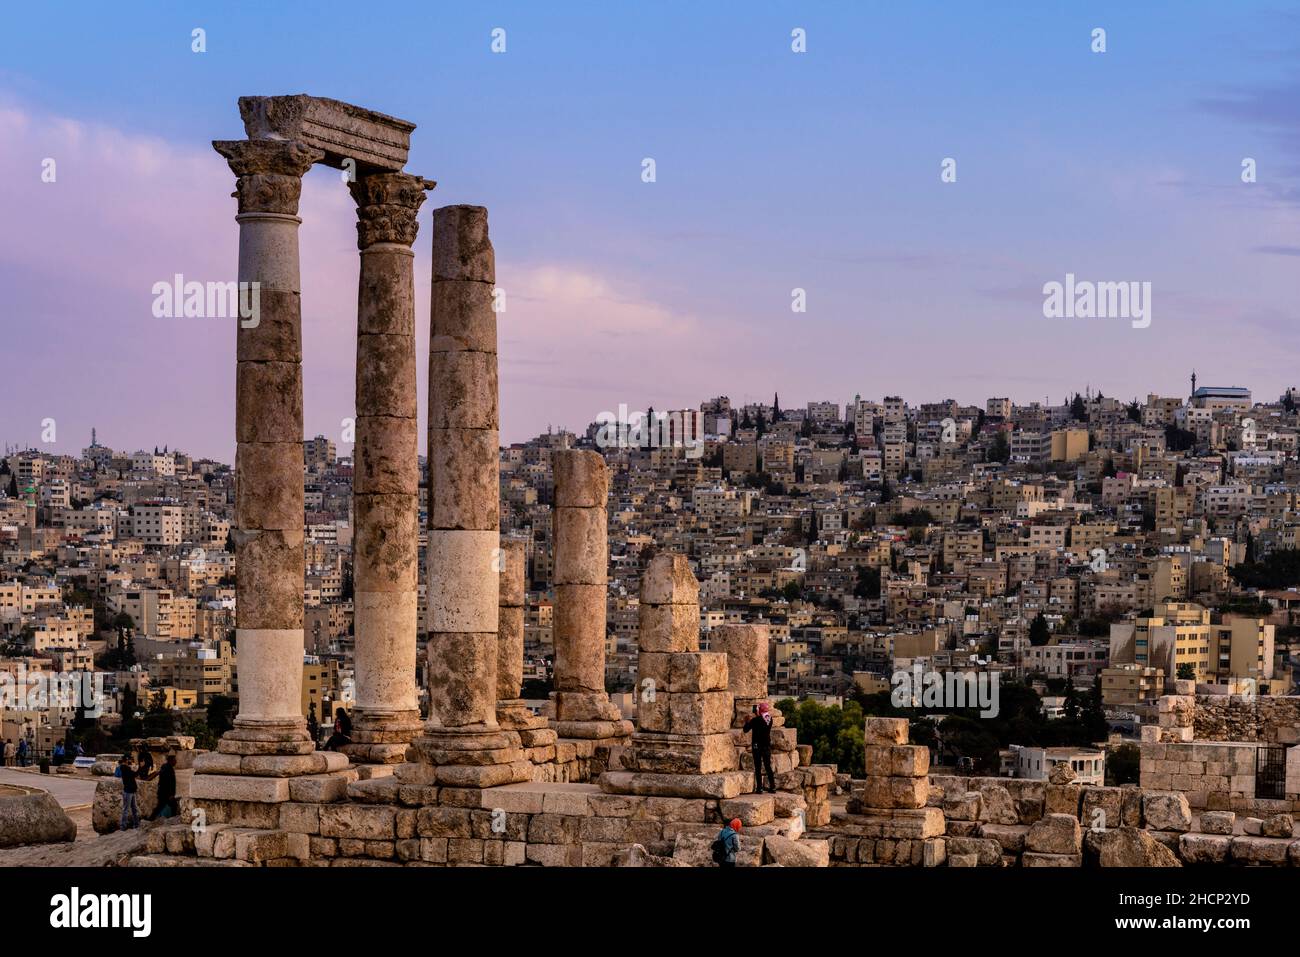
column 130, row 809
column 166, row 775
column 759, row 727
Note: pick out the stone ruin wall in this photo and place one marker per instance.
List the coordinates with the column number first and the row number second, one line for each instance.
column 1263, row 718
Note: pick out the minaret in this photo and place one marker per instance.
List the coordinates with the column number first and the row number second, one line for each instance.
column 1193, row 382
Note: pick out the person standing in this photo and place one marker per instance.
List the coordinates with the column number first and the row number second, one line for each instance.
column 130, row 809
column 759, row 728
column 727, row 844
column 4, row 752
column 342, row 731
column 144, row 763
column 166, row 775
column 22, row 752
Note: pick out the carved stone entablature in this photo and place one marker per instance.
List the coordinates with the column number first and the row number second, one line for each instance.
column 269, row 173
column 351, row 137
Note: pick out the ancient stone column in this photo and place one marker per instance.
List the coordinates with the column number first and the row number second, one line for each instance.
column 682, row 746
column 386, row 477
column 268, row 426
column 463, row 590
column 747, row 651
column 510, row 624
column 535, row 734
column 581, row 542
column 462, row 740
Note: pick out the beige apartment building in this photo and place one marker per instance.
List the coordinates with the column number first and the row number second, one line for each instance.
column 1069, row 445
column 1181, row 633
column 149, row 608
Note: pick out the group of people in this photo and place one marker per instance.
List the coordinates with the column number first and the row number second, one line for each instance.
column 133, row 770
column 61, row 755
column 22, row 753
column 759, row 728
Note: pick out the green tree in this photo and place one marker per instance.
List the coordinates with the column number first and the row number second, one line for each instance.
column 1000, row 450
column 868, row 583
column 1123, row 765
column 220, row 718
column 1039, row 633
column 159, row 720
column 1186, row 672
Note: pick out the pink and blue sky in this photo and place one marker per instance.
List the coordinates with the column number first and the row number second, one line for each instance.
column 775, row 170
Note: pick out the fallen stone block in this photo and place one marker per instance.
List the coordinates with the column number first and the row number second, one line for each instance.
column 1054, row 834
column 791, row 853
column 34, row 819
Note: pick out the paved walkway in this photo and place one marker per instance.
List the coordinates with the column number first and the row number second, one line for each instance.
column 69, row 791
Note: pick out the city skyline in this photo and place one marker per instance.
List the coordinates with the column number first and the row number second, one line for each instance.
column 775, row 171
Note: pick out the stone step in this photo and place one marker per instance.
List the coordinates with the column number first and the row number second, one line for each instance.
column 172, row 860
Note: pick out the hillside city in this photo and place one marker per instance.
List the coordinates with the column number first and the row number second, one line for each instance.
column 1083, row 556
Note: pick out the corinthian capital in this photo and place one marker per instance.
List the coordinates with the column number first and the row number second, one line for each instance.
column 269, row 172
column 387, row 207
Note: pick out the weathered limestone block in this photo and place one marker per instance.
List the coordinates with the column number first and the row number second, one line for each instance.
column 1010, row 837
column 1061, row 773
column 747, row 651
column 1279, row 825
column 1203, row 848
column 462, row 389
column 36, row 819
column 715, row 786
column 1102, row 807
column 463, row 478
column 1062, row 799
column 668, row 580
column 802, row 853
column 752, row 809
column 1129, row 847
column 895, row 792
column 702, row 713
column 963, row 807
column 986, row 852
column 1055, row 834
column 461, row 247
column 886, row 731
column 680, row 754
column 1041, row 859
column 1217, row 822
column 581, row 549
column 264, row 790
column 996, row 805
column 1166, row 811
column 683, row 671
column 1131, row 806
column 458, row 665
column 319, row 788
column 464, row 595
column 898, row 760
column 579, row 636
column 587, row 705
column 462, row 311
column 358, row 822
column 668, row 628
column 1259, row 850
